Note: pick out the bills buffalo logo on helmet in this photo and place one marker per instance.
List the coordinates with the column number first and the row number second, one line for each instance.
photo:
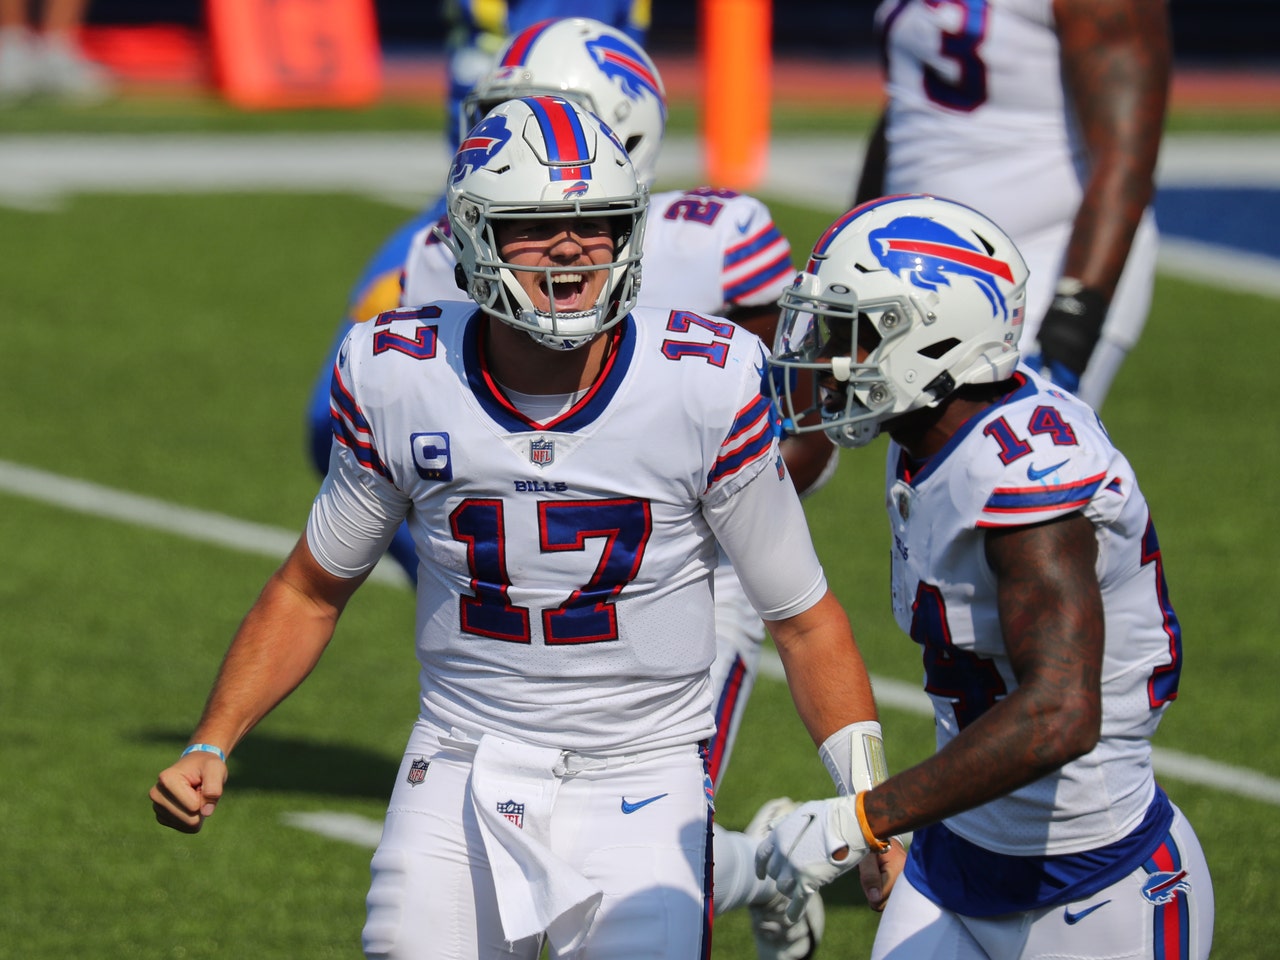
column 479, row 146
column 617, row 62
column 931, row 254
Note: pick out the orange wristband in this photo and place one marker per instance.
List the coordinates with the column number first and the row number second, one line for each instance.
column 874, row 843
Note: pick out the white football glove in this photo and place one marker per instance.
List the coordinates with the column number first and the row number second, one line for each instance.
column 800, row 852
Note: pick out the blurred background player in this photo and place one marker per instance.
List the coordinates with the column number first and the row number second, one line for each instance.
column 478, row 30
column 1025, row 565
column 40, row 52
column 715, row 252
column 1047, row 116
column 555, row 785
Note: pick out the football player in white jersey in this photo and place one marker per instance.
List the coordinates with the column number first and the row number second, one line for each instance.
column 1026, row 567
column 712, row 251
column 477, row 30
column 1047, row 116
column 567, row 466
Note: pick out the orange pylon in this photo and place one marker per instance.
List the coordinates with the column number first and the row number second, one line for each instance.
column 735, row 39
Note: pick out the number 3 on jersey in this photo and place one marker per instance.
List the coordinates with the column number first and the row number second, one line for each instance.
column 586, row 615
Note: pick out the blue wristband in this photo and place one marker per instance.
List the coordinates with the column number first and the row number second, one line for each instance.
column 205, row 748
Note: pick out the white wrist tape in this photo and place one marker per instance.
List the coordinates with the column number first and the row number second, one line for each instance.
column 854, row 756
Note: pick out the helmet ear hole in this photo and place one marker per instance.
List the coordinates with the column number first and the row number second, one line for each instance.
column 936, row 351
column 460, row 277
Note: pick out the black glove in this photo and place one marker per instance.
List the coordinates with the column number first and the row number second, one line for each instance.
column 1070, row 329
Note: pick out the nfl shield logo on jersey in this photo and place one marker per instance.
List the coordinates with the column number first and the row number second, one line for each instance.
column 512, row 811
column 542, row 452
column 417, row 772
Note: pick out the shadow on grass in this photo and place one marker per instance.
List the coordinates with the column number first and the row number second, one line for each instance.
column 292, row 765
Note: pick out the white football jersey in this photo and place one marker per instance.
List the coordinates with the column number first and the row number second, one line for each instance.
column 564, row 587
column 978, row 114
column 1037, row 455
column 705, row 250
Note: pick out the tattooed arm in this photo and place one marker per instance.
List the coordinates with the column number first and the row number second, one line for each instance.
column 1116, row 58
column 1052, row 621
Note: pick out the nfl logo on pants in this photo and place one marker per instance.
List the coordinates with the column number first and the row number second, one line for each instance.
column 417, row 772
column 512, row 811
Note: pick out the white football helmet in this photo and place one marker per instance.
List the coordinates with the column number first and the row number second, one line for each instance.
column 931, row 290
column 542, row 158
column 592, row 64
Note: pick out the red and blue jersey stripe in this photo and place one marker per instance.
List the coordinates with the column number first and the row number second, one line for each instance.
column 350, row 426
column 772, row 249
column 1051, row 500
column 750, row 438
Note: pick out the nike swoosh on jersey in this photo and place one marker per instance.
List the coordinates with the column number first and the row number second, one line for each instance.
column 743, row 226
column 628, row 807
column 1070, row 917
column 1034, row 474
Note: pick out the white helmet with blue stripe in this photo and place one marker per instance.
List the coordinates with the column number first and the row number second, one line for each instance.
column 590, row 63
column 929, row 291
column 541, row 158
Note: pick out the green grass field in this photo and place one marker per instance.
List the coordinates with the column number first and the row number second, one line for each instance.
column 165, row 346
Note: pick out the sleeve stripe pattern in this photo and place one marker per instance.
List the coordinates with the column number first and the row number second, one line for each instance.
column 1024, row 503
column 750, row 438
column 350, row 428
column 755, row 264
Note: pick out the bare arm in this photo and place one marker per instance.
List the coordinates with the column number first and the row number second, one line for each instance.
column 825, row 672
column 1116, row 57
column 276, row 646
column 1051, row 618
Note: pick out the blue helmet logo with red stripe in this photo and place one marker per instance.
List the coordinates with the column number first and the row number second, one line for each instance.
column 479, row 146
column 618, row 61
column 930, row 255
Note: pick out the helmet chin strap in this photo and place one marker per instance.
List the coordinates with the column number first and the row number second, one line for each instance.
column 557, row 341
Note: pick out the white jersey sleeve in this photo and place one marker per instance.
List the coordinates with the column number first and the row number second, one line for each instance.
column 1037, row 455
column 761, row 527
column 358, row 508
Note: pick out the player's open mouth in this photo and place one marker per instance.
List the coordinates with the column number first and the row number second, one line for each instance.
column 566, row 290
column 833, row 395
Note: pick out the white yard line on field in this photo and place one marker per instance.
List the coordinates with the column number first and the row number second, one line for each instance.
column 202, row 525
column 208, row 527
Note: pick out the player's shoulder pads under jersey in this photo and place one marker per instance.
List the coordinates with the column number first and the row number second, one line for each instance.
column 373, row 362
column 722, row 372
column 1041, row 454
